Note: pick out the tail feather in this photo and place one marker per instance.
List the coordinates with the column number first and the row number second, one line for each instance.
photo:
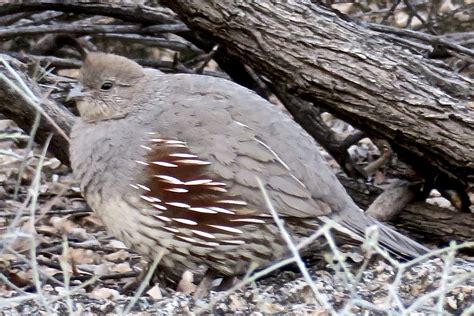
column 393, row 241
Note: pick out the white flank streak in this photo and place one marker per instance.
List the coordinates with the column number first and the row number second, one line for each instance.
column 275, row 154
column 180, row 155
column 185, row 221
column 176, row 145
column 145, row 147
column 157, row 140
column 221, row 210
column 160, row 207
column 209, row 243
column 203, row 234
column 218, row 189
column 143, row 187
column 170, row 179
column 134, row 186
column 151, row 133
column 164, row 164
column 189, row 239
column 216, row 183
column 163, row 218
column 141, row 162
column 173, row 230
column 227, row 229
column 149, row 198
column 178, row 204
column 202, row 210
column 241, row 124
column 177, row 190
column 173, row 142
column 248, row 220
column 237, row 242
column 236, row 202
column 198, row 182
column 193, row 162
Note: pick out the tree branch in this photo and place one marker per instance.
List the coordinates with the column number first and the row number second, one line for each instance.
column 421, row 108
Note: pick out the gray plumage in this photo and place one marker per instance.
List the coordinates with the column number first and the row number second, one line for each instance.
column 228, row 133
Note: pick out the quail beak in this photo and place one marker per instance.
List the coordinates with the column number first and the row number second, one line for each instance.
column 76, row 93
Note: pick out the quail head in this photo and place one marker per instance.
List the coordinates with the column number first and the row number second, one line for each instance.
column 170, row 163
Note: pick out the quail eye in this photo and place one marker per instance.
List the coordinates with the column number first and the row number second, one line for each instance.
column 107, row 85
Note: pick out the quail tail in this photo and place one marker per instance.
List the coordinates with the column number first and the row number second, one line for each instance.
column 394, row 242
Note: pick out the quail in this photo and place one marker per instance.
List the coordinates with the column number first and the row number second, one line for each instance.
column 170, row 163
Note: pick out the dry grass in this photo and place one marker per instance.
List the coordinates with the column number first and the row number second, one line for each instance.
column 52, row 294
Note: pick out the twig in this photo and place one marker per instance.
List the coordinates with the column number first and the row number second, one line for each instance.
column 390, row 12
column 33, row 204
column 432, row 39
column 294, row 251
column 126, row 12
column 29, row 96
column 8, row 32
column 419, row 17
column 12, row 18
column 145, row 282
column 207, row 59
column 83, row 29
column 154, row 41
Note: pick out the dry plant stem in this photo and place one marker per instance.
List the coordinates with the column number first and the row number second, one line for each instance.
column 30, row 263
column 286, row 236
column 64, row 212
column 390, row 12
column 29, row 149
column 63, row 261
column 104, row 277
column 76, row 289
column 436, row 293
column 22, row 298
column 154, row 42
column 432, row 39
column 15, row 104
column 4, row 279
column 251, row 278
column 413, row 12
column 337, row 256
column 402, row 268
column 34, row 192
column 353, row 289
column 207, row 59
column 50, row 60
column 29, row 96
column 145, row 283
column 126, row 12
column 9, row 32
column 11, row 154
column 246, row 280
column 448, row 263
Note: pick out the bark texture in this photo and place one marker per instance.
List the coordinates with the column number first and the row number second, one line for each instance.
column 14, row 106
column 422, row 108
